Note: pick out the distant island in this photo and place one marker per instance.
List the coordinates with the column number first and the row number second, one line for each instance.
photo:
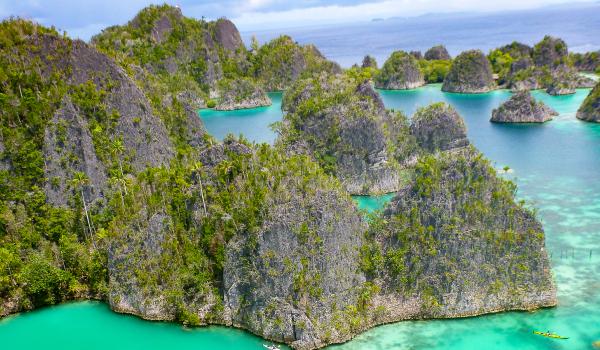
column 111, row 188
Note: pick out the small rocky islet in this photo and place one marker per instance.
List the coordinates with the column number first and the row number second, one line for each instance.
column 522, row 108
column 113, row 190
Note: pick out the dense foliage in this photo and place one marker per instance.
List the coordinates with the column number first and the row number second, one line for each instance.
column 455, row 200
column 434, row 71
column 46, row 256
column 400, row 70
column 278, row 63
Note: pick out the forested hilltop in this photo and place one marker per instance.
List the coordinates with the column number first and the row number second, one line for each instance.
column 111, row 189
column 206, row 63
column 547, row 65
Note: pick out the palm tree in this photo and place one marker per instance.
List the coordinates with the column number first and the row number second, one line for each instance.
column 116, row 150
column 196, row 168
column 120, row 182
column 79, row 181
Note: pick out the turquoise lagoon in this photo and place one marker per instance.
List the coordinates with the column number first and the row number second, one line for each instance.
column 557, row 168
column 253, row 124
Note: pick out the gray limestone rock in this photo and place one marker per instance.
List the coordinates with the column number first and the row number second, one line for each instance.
column 522, row 108
column 471, row 72
column 400, row 71
column 439, row 127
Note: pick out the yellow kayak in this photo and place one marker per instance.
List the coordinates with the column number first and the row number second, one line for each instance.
column 550, row 335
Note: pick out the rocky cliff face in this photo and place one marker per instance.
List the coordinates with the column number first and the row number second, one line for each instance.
column 68, row 148
column 344, row 125
column 293, row 281
column 590, row 109
column 72, row 139
column 458, row 246
column 187, row 55
column 280, row 62
column 471, row 72
column 438, row 52
column 400, row 71
column 241, row 93
column 4, row 163
column 522, row 108
column 550, row 52
column 416, row 54
column 438, row 127
column 228, row 36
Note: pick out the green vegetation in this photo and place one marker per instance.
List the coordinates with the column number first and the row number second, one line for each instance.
column 472, row 207
column 278, row 63
column 501, row 62
column 336, row 96
column 434, row 71
column 550, row 52
column 400, row 71
column 590, row 108
column 45, row 253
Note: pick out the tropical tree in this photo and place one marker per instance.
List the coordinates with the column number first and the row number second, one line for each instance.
column 197, row 168
column 116, row 150
column 79, row 182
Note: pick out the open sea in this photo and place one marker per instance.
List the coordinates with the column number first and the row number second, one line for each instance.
column 578, row 24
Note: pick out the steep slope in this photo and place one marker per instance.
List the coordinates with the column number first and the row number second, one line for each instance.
column 437, row 52
column 198, row 53
column 343, row 124
column 400, row 71
column 522, row 108
column 471, row 72
column 73, row 127
column 454, row 243
column 438, row 127
column 280, row 62
column 547, row 65
column 590, row 108
column 111, row 193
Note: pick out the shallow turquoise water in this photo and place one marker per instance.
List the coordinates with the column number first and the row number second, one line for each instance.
column 93, row 326
column 253, row 123
column 372, row 203
column 557, row 168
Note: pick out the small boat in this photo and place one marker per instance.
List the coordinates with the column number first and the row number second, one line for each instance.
column 550, row 335
column 271, row 347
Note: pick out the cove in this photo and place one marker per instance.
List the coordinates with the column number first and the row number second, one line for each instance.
column 253, row 123
column 557, row 168
column 93, row 326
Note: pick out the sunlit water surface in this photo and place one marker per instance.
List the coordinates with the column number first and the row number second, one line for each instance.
column 557, row 168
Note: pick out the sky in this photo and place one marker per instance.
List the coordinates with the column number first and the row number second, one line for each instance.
column 84, row 18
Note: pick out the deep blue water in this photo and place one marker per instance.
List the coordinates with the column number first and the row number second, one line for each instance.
column 578, row 25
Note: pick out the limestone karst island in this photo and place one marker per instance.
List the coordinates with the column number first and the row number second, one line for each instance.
column 303, row 175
